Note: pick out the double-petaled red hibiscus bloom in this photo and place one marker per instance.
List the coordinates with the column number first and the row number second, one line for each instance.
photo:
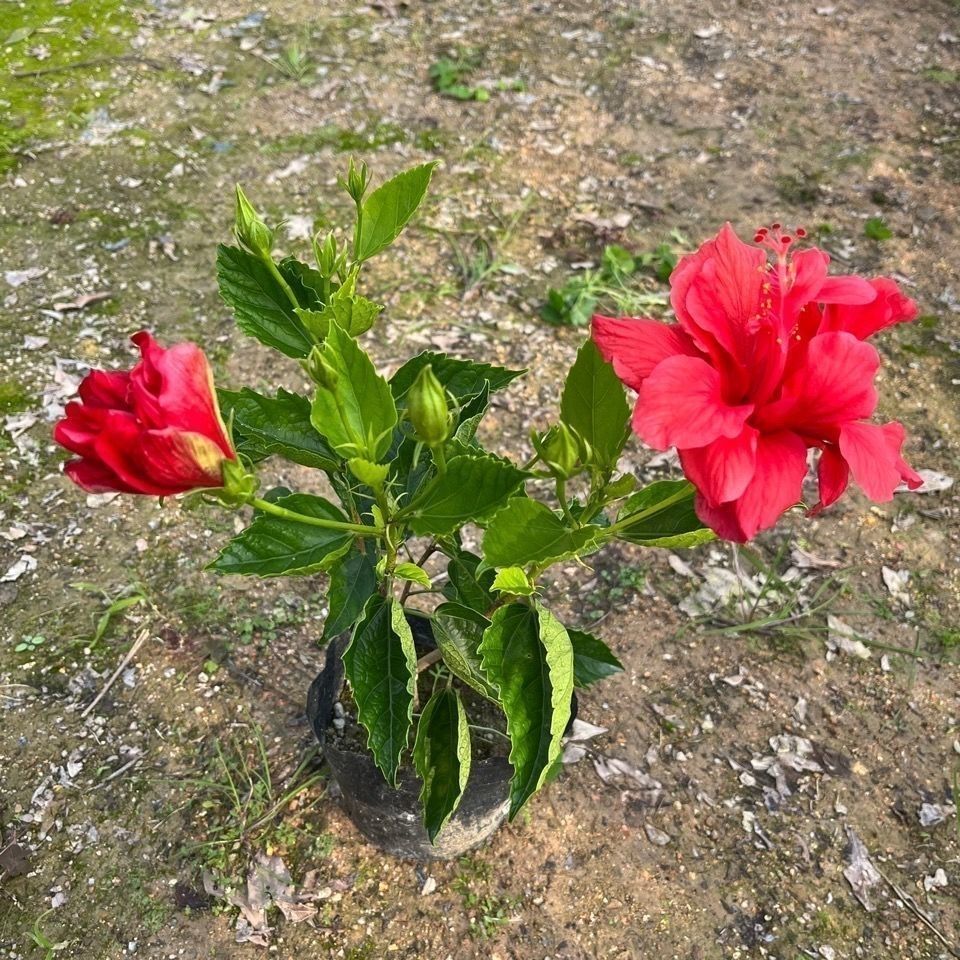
column 767, row 359
column 156, row 430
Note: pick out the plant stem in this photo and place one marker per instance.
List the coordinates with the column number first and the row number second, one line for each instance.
column 278, row 276
column 361, row 529
column 428, row 660
column 650, row 511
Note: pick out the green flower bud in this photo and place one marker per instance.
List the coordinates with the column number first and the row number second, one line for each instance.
column 326, row 254
column 356, row 181
column 427, row 406
column 251, row 231
column 238, row 486
column 319, row 369
column 559, row 450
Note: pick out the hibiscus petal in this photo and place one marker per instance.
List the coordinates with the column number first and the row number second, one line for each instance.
column 846, row 290
column 781, row 465
column 809, row 273
column 833, row 475
column 721, row 470
column 833, row 383
column 174, row 388
column 723, row 297
column 95, row 477
column 681, row 404
column 103, row 388
column 636, row 346
column 873, row 453
column 78, row 429
column 181, row 459
column 886, row 307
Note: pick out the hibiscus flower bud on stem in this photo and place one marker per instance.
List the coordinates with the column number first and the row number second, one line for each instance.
column 251, row 231
column 428, row 410
column 319, row 370
column 559, row 449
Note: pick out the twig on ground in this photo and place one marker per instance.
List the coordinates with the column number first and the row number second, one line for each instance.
column 131, row 653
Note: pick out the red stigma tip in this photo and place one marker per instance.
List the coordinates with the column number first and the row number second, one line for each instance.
column 758, row 238
column 774, row 226
column 801, row 233
column 786, row 241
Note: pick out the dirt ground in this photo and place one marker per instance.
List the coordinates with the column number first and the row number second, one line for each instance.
column 766, row 746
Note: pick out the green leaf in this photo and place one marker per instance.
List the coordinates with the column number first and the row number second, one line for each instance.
column 471, row 488
column 273, row 546
column 676, row 525
column 306, row 282
column 381, row 665
column 595, row 405
column 527, row 531
column 876, row 229
column 356, row 412
column 388, row 209
column 280, row 425
column 513, row 580
column 413, row 573
column 468, row 584
column 461, row 378
column 353, row 580
column 592, row 659
column 526, row 653
column 441, row 755
column 260, row 305
column 458, row 631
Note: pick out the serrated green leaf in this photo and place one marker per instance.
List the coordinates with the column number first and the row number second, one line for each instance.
column 389, row 208
column 413, row 573
column 471, row 488
column 353, row 581
column 467, row 583
column 280, row 425
column 527, row 531
column 458, row 631
column 441, row 755
column 595, row 405
column 381, row 665
column 676, row 525
column 357, row 414
column 260, row 305
column 513, row 580
column 274, row 546
column 592, row 659
column 372, row 474
column 306, row 282
column 461, row 378
column 526, row 653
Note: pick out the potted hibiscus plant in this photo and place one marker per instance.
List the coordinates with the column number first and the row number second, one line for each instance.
column 766, row 360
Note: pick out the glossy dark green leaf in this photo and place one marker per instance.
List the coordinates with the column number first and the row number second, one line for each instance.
column 260, row 305
column 595, row 405
column 592, row 659
column 441, row 755
column 381, row 665
column 389, row 208
column 676, row 525
column 526, row 653
column 471, row 488
column 274, row 546
column 306, row 282
column 461, row 378
column 280, row 425
column 353, row 580
column 458, row 631
column 355, row 411
column 528, row 531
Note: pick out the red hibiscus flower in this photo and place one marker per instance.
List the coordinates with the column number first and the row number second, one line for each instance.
column 155, row 430
column 766, row 360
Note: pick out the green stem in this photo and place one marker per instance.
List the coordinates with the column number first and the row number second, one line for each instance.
column 439, row 458
column 650, row 511
column 278, row 276
column 356, row 233
column 361, row 529
column 562, row 498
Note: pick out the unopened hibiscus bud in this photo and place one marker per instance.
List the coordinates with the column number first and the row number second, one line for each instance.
column 559, row 450
column 319, row 370
column 325, row 253
column 356, row 182
column 251, row 231
column 154, row 430
column 427, row 406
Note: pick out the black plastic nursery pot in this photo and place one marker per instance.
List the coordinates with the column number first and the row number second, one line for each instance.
column 391, row 818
